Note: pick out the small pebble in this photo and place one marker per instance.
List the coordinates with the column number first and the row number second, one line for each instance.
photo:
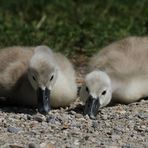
column 47, row 145
column 104, row 117
column 142, row 115
column 13, row 129
column 50, row 119
column 39, row 117
column 94, row 124
column 72, row 112
column 33, row 145
column 78, row 115
column 29, row 117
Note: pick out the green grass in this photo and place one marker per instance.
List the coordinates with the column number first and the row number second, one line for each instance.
column 71, row 26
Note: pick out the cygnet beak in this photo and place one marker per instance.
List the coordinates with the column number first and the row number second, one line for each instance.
column 43, row 100
column 91, row 107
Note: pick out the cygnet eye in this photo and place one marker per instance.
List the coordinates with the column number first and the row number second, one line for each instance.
column 104, row 92
column 51, row 78
column 87, row 89
column 34, row 78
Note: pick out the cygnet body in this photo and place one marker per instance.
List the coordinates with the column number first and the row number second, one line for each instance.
column 119, row 72
column 36, row 76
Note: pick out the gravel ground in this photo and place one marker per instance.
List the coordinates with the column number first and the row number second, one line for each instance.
column 117, row 126
column 123, row 126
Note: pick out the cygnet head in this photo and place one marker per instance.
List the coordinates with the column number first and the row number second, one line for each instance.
column 42, row 74
column 96, row 92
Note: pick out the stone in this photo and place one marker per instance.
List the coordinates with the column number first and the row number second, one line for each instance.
column 13, row 129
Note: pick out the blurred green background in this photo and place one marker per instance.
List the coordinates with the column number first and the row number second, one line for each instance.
column 71, row 26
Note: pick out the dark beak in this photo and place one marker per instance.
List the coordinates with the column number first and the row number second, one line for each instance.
column 91, row 107
column 43, row 100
